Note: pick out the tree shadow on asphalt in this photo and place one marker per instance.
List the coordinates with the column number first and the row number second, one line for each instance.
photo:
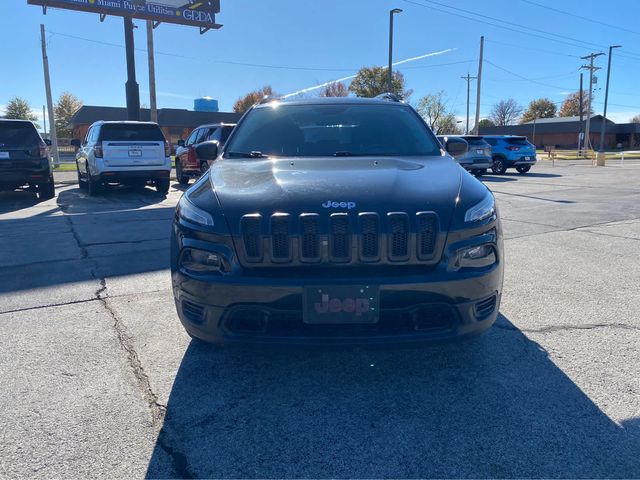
column 496, row 406
column 17, row 200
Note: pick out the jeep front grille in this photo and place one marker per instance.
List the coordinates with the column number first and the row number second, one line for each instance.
column 363, row 238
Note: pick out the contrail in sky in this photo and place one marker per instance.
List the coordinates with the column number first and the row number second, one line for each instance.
column 406, row 60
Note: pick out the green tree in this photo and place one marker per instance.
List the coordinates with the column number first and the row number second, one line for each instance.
column 19, row 109
column 540, row 108
column 335, row 89
column 65, row 108
column 571, row 105
column 433, row 108
column 505, row 112
column 250, row 99
column 485, row 122
column 372, row 81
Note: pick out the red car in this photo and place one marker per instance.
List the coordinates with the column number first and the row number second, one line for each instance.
column 188, row 165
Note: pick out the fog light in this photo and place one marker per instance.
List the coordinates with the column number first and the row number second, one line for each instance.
column 476, row 256
column 201, row 261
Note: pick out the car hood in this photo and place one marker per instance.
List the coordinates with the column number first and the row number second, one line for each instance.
column 328, row 185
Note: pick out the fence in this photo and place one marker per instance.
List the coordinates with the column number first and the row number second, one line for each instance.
column 588, row 157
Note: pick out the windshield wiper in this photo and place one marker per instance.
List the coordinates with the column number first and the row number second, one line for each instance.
column 251, row 154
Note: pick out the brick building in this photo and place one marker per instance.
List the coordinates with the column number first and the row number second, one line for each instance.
column 563, row 132
column 175, row 123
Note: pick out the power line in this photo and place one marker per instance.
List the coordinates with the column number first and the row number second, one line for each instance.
column 549, row 52
column 574, row 15
column 523, row 29
column 525, row 78
column 226, row 62
column 548, row 77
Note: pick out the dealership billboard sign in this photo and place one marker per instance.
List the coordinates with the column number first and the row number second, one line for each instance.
column 197, row 13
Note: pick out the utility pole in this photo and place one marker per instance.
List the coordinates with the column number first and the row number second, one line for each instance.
column 479, row 83
column 606, row 98
column 390, row 72
column 47, row 85
column 133, row 91
column 152, row 73
column 44, row 120
column 591, row 57
column 468, row 78
column 581, row 107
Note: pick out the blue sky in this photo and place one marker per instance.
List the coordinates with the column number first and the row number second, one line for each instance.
column 325, row 40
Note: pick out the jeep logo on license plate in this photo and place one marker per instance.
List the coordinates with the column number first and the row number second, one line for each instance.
column 341, row 304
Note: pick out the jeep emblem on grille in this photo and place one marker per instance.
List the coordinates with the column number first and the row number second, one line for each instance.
column 330, row 204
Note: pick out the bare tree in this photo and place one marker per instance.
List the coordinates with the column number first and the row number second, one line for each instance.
column 335, row 89
column 635, row 119
column 433, row 108
column 505, row 112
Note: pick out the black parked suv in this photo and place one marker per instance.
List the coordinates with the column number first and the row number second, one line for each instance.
column 24, row 159
column 335, row 221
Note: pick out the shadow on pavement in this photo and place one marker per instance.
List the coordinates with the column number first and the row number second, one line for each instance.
column 496, row 406
column 121, row 232
column 17, row 200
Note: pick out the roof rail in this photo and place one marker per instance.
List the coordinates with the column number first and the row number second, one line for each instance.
column 269, row 98
column 392, row 97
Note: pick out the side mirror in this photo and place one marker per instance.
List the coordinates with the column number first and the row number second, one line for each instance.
column 47, row 142
column 455, row 146
column 207, row 150
column 181, row 143
column 76, row 143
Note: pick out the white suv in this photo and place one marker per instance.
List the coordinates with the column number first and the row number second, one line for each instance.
column 123, row 152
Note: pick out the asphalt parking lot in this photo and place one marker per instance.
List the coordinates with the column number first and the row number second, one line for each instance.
column 100, row 380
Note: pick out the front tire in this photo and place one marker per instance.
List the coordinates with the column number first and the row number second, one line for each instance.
column 82, row 183
column 180, row 176
column 498, row 166
column 523, row 168
column 479, row 172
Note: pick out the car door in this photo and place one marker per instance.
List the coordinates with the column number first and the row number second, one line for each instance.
column 82, row 156
column 184, row 153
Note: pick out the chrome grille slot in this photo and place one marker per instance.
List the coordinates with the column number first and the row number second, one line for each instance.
column 250, row 226
column 398, row 242
column 280, row 249
column 339, row 237
column 369, row 236
column 426, row 234
column 310, row 237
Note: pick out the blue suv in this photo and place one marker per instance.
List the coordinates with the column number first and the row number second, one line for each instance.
column 510, row 151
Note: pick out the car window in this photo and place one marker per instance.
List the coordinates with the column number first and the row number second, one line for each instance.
column 93, row 138
column 226, row 131
column 517, row 141
column 16, row 134
column 327, row 130
column 214, row 134
column 202, row 135
column 126, row 132
column 87, row 136
column 491, row 141
column 192, row 138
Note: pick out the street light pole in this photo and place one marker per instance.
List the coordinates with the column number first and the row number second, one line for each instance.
column 390, row 73
column 606, row 98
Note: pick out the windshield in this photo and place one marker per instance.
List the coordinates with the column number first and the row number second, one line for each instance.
column 332, row 130
column 17, row 134
column 131, row 133
column 517, row 141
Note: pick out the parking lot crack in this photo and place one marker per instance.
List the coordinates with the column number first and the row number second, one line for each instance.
column 560, row 328
column 76, row 237
column 157, row 409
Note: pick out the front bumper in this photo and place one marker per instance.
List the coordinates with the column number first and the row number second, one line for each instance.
column 416, row 308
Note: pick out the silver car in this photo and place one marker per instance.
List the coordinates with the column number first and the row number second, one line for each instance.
column 478, row 157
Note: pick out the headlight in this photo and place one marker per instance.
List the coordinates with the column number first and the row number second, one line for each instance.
column 482, row 210
column 189, row 212
column 201, row 261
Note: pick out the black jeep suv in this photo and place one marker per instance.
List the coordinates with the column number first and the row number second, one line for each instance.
column 335, row 221
column 24, row 159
